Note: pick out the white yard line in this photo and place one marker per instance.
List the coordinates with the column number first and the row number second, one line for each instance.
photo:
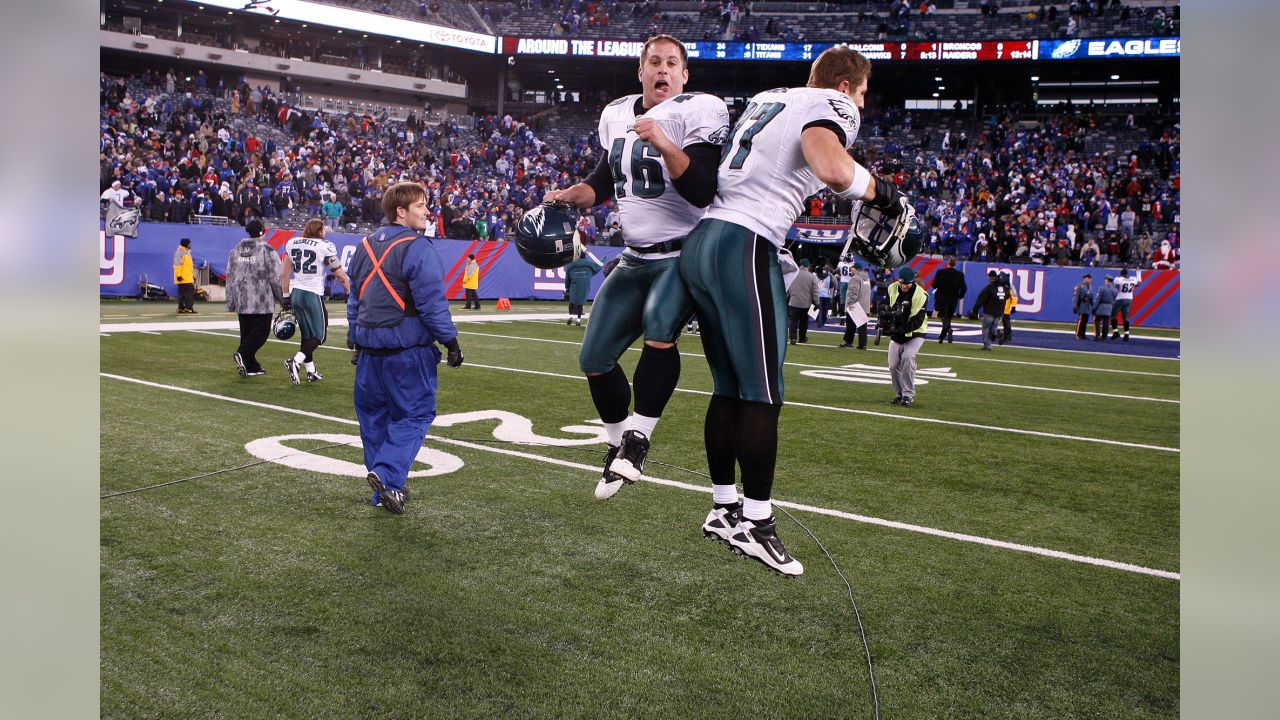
column 1113, row 396
column 874, row 349
column 934, row 322
column 339, row 321
column 873, row 413
column 940, row 378
column 935, row 532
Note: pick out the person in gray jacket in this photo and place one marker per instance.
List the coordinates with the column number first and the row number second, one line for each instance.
column 253, row 290
column 858, row 293
column 1103, row 303
column 1082, row 305
column 801, row 295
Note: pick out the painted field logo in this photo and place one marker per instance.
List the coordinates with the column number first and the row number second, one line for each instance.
column 874, row 374
column 511, row 428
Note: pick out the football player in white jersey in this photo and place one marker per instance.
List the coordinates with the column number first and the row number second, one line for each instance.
column 1124, row 299
column 662, row 147
column 844, row 269
column 788, row 144
column 306, row 258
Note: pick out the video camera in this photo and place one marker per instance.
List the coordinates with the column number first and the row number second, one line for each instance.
column 888, row 321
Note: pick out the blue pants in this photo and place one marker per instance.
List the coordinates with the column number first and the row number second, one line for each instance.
column 395, row 399
column 989, row 329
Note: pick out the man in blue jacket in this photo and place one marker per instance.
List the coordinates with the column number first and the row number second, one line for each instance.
column 396, row 313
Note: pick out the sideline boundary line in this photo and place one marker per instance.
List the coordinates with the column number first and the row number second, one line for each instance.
column 875, row 349
column 811, row 406
column 866, row 519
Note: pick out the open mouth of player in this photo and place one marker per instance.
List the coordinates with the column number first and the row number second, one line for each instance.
column 662, row 85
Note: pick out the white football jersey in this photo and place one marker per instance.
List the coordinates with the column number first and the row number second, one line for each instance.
column 844, row 268
column 1125, row 286
column 310, row 258
column 764, row 178
column 650, row 208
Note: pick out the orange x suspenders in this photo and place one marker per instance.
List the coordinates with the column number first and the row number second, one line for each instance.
column 377, row 269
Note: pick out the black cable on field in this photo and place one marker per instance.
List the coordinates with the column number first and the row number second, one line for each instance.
column 857, row 613
column 219, row 472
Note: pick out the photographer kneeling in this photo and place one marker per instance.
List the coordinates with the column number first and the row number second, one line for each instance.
column 906, row 326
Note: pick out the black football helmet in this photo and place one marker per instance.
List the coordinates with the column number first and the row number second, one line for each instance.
column 885, row 241
column 284, row 325
column 547, row 237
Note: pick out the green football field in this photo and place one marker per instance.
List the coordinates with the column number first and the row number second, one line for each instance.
column 1011, row 540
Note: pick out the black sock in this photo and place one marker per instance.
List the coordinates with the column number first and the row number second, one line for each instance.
column 757, row 447
column 655, row 379
column 612, row 394
column 720, row 435
column 308, row 347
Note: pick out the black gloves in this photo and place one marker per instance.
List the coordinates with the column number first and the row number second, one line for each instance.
column 355, row 351
column 286, row 303
column 609, row 266
column 887, row 200
column 455, row 353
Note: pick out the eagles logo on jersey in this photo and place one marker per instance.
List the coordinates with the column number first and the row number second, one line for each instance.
column 763, row 179
column 651, row 209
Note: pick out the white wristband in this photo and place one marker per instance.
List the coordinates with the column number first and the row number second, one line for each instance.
column 858, row 188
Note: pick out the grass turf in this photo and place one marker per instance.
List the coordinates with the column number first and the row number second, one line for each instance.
column 509, row 590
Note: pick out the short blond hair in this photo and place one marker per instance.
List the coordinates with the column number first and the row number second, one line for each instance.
column 313, row 229
column 837, row 64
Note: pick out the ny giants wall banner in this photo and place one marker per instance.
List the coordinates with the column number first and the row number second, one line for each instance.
column 1044, row 292
column 124, row 263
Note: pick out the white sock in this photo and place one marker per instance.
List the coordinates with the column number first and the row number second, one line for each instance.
column 644, row 425
column 724, row 494
column 311, row 367
column 615, row 431
column 299, row 357
column 756, row 509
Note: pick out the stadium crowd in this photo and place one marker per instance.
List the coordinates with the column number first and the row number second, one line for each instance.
column 850, row 21
column 1012, row 192
column 1021, row 193
column 186, row 152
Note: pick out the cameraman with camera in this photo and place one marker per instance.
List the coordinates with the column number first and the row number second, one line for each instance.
column 905, row 323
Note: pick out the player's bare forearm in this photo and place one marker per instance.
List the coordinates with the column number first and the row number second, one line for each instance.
column 827, row 158
column 286, row 269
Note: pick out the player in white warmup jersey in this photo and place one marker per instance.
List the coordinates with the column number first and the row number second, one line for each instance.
column 307, row 258
column 662, row 147
column 788, row 144
column 1124, row 299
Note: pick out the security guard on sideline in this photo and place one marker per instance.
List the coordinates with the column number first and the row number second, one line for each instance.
column 184, row 275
